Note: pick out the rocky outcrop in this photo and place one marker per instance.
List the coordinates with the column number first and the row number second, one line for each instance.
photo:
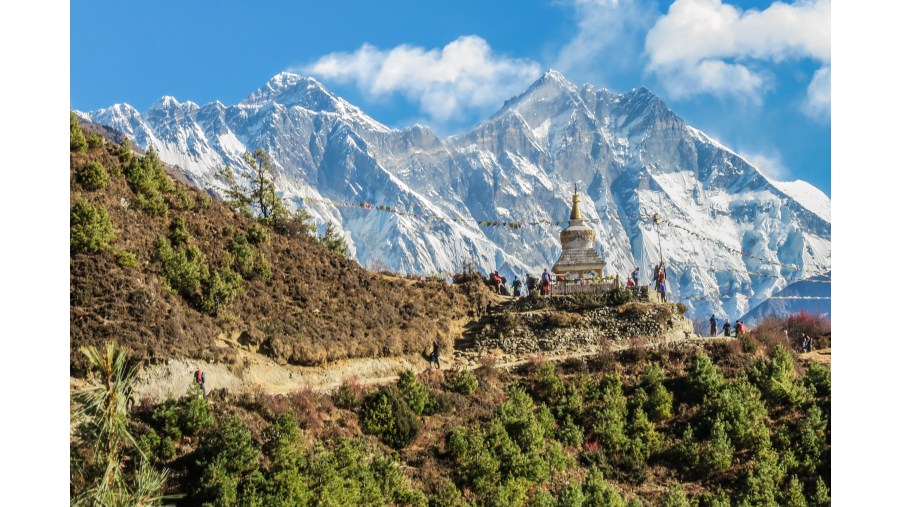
column 564, row 324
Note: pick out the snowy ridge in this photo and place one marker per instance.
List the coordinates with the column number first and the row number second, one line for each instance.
column 629, row 154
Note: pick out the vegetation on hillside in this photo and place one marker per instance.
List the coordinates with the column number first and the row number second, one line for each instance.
column 160, row 265
column 681, row 425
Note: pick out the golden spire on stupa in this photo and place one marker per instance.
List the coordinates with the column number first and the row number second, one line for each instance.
column 576, row 213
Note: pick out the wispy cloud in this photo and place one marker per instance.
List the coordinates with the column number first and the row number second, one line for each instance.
column 448, row 83
column 706, row 46
column 609, row 32
column 818, row 95
column 770, row 163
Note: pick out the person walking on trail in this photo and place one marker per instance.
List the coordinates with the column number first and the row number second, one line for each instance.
column 713, row 323
column 436, row 353
column 807, row 343
column 662, row 291
column 200, row 379
column 635, row 275
column 726, row 327
column 545, row 283
column 517, row 287
column 530, row 284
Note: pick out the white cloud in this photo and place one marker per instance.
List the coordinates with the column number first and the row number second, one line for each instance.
column 771, row 164
column 611, row 28
column 706, row 46
column 818, row 94
column 464, row 76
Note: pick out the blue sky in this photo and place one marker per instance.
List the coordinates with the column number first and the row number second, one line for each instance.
column 754, row 75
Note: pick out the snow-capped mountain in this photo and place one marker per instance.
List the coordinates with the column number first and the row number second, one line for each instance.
column 812, row 296
column 632, row 157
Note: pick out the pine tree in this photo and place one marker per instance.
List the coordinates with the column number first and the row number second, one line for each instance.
column 334, row 241
column 77, row 142
column 262, row 193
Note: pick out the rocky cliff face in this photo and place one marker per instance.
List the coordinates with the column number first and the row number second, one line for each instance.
column 730, row 236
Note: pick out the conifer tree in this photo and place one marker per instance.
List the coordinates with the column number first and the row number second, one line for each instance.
column 77, row 142
column 262, row 189
column 334, row 241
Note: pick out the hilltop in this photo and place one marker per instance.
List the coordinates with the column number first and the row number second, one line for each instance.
column 297, row 302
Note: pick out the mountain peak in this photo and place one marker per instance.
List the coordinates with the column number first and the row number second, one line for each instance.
column 288, row 89
column 165, row 102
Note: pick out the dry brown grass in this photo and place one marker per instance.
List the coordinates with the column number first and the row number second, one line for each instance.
column 315, row 308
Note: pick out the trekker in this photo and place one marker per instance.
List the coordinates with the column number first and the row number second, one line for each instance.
column 545, row 283
column 662, row 291
column 726, row 328
column 517, row 287
column 713, row 323
column 530, row 284
column 630, row 282
column 200, row 378
column 807, row 343
column 436, row 353
column 635, row 275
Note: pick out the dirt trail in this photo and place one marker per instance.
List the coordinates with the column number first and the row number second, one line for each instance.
column 261, row 373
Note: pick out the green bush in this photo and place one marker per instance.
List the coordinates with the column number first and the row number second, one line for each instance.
column 96, row 141
column 347, row 395
column 717, row 453
column 183, row 270
column 740, row 408
column 92, row 176
column 777, row 379
column 793, row 497
column 610, row 415
column 124, row 151
column 704, row 379
column 818, row 380
column 178, row 233
column 148, row 180
column 126, row 259
column 219, row 290
column 645, row 441
column 598, row 492
column 76, row 135
column 617, row 297
column 257, row 234
column 675, row 497
column 183, row 199
column 247, row 260
column 90, row 229
column 189, row 415
column 229, row 459
column 546, row 385
column 414, row 393
column 659, row 401
column 385, row 414
column 462, row 381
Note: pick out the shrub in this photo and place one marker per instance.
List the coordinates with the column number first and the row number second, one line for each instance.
column 675, row 497
column 183, row 270
column 92, row 176
column 717, row 453
column 148, row 180
column 126, row 259
column 809, row 324
column 247, row 260
column 183, row 199
column 348, row 394
column 76, row 135
column 333, row 240
column 219, row 290
column 228, row 458
column 610, row 415
column 385, row 414
column 659, row 401
column 704, row 379
column 90, row 228
column 741, row 409
column 95, row 141
column 818, row 379
column 617, row 297
column 462, row 381
column 645, row 440
column 598, row 492
column 546, row 384
column 793, row 497
column 777, row 379
column 124, row 151
column 257, row 234
column 178, row 233
column 414, row 393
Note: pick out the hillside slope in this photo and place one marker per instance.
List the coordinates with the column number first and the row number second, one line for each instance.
column 313, row 307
